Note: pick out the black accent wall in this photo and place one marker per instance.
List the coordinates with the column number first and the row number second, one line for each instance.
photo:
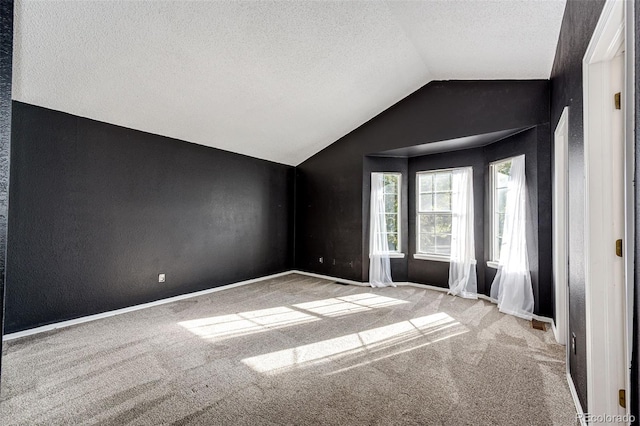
column 98, row 211
column 332, row 210
column 578, row 23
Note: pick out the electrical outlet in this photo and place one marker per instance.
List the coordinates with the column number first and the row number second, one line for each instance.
column 321, row 260
column 161, row 278
column 574, row 349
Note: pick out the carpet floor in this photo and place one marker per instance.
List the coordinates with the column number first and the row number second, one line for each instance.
column 292, row 350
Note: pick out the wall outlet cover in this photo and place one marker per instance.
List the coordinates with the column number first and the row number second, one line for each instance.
column 161, row 278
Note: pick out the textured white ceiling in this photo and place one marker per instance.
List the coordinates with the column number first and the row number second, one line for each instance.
column 273, row 80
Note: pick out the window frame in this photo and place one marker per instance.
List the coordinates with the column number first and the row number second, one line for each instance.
column 398, row 251
column 494, row 249
column 420, row 254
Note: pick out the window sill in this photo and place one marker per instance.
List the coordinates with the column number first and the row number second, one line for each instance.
column 393, row 255
column 492, row 264
column 435, row 257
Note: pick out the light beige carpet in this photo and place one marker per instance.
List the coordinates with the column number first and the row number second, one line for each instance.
column 292, row 350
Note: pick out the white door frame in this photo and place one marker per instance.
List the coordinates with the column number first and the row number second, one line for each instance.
column 606, row 301
column 560, row 227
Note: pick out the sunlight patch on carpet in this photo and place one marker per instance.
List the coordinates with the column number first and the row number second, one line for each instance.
column 362, row 347
column 246, row 323
column 241, row 324
column 349, row 304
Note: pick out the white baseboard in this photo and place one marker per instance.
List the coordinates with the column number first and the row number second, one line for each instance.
column 425, row 286
column 88, row 318
column 480, row 296
column 555, row 331
column 576, row 400
column 327, row 277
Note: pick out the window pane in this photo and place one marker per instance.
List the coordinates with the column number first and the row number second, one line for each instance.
column 390, row 184
column 427, row 243
column 500, row 224
column 502, row 174
column 425, row 182
column 391, row 203
column 443, row 224
column 392, row 222
column 427, row 223
column 443, row 181
column 426, row 202
column 502, row 199
column 443, row 244
column 392, row 238
column 443, row 201
column 500, row 177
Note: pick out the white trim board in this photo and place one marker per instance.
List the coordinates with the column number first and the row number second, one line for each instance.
column 576, row 400
column 554, row 329
column 480, row 296
column 88, row 318
column 327, row 277
column 412, row 284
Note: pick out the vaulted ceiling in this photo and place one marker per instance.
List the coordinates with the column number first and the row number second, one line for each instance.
column 274, row 80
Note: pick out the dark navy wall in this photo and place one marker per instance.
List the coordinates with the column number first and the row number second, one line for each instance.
column 98, row 211
column 578, row 23
column 329, row 194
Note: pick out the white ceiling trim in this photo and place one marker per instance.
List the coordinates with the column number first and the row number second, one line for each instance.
column 273, row 80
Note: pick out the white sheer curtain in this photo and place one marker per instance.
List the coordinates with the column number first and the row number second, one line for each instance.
column 462, row 264
column 512, row 284
column 379, row 264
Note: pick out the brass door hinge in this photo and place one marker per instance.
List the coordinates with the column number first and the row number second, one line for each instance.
column 616, row 101
column 619, row 248
column 622, row 400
